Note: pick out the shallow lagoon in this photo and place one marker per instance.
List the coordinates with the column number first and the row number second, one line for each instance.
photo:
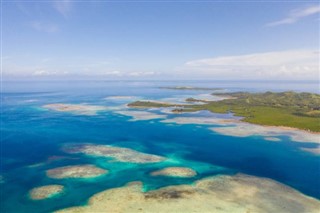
column 32, row 134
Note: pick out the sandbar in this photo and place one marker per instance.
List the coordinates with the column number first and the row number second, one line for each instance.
column 199, row 120
column 272, row 139
column 175, row 172
column 80, row 109
column 141, row 115
column 117, row 153
column 221, row 194
column 76, row 171
column 315, row 151
column 44, row 192
column 234, row 127
column 242, row 129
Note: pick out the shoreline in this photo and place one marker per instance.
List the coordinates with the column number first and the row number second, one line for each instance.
column 288, row 128
column 240, row 120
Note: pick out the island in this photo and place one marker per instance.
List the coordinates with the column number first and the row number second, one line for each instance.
column 196, row 100
column 223, row 193
column 76, row 171
column 45, row 192
column 181, row 172
column 119, row 154
column 80, row 109
column 285, row 109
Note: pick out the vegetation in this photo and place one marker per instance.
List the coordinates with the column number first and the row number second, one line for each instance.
column 290, row 109
column 299, row 110
column 196, row 100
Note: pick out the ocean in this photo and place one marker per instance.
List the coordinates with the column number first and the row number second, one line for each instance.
column 32, row 138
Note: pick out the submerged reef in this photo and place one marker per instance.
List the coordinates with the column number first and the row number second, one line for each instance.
column 51, row 159
column 76, row 171
column 44, row 192
column 234, row 127
column 79, row 109
column 200, row 120
column 272, row 139
column 141, row 115
column 175, row 172
column 118, row 153
column 239, row 193
column 315, row 151
column 241, row 129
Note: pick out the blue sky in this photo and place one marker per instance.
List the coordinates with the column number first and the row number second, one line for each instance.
column 161, row 40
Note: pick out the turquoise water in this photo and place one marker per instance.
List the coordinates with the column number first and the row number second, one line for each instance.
column 31, row 134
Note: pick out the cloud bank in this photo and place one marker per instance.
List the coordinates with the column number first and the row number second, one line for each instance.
column 286, row 65
column 277, row 65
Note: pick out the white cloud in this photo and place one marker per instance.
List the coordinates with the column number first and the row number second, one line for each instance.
column 43, row 73
column 295, row 64
column 44, row 27
column 296, row 15
column 113, row 73
column 63, row 7
column 137, row 74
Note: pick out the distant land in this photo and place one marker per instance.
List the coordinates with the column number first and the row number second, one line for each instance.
column 287, row 109
column 190, row 88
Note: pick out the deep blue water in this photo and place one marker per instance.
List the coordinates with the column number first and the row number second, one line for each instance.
column 30, row 134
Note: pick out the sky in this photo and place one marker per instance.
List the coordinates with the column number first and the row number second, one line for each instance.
column 160, row 40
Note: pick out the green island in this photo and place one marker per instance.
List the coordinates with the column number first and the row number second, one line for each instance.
column 196, row 100
column 288, row 109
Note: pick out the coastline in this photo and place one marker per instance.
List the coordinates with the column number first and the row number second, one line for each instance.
column 284, row 109
column 289, row 128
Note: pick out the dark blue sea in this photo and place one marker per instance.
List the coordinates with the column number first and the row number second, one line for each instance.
column 31, row 135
